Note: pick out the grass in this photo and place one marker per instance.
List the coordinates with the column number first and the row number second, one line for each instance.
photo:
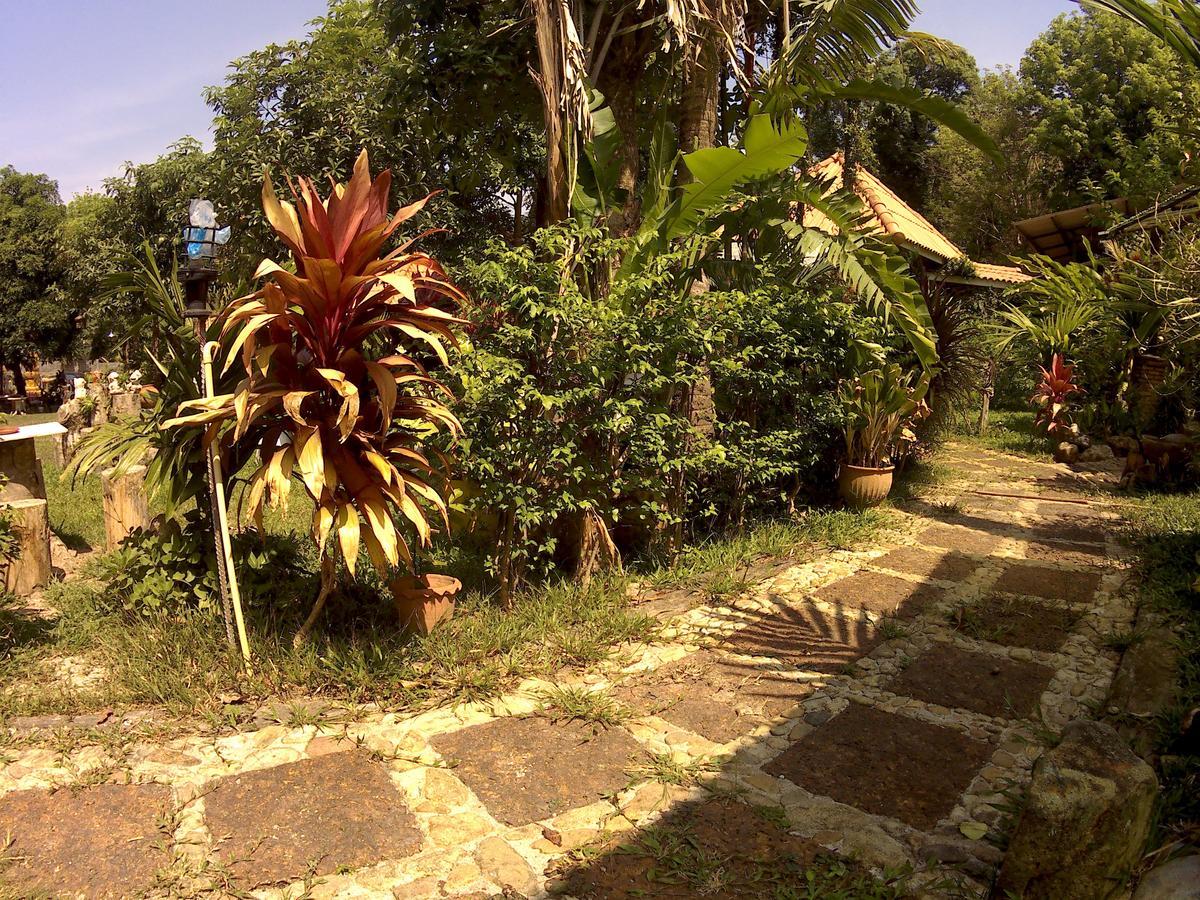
column 1164, row 529
column 1012, row 431
column 178, row 660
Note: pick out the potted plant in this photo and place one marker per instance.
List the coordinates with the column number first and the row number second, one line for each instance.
column 423, row 601
column 881, row 406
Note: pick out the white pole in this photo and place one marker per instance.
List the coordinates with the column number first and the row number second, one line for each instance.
column 222, row 524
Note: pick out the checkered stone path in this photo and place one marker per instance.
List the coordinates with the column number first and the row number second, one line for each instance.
column 875, row 705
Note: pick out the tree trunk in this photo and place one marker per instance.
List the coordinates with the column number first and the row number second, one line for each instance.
column 618, row 81
column 597, row 552
column 549, row 82
column 328, row 581
column 18, row 378
column 699, row 93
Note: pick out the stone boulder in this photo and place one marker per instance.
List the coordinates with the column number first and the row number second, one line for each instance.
column 1096, row 453
column 1178, row 879
column 1066, row 452
column 1086, row 819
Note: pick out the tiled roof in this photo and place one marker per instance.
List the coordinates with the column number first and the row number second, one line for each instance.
column 892, row 218
column 1007, row 274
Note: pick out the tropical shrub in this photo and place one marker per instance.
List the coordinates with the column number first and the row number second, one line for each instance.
column 172, row 569
column 336, row 391
column 1052, row 397
column 881, row 408
column 775, row 381
column 569, row 393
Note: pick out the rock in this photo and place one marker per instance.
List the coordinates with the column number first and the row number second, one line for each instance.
column 1066, row 452
column 1121, row 444
column 505, row 866
column 1085, row 821
column 1178, row 879
column 1145, row 682
column 1083, row 442
column 1098, row 453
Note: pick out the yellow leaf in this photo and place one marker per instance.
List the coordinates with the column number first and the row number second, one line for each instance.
column 311, row 462
column 347, row 524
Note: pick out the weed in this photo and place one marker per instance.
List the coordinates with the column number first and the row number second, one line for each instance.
column 578, row 704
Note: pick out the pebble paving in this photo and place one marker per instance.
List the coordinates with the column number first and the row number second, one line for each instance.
column 876, row 706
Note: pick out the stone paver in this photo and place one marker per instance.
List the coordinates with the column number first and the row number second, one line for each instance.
column 929, row 563
column 107, row 840
column 959, row 679
column 1049, row 582
column 965, row 540
column 883, row 595
column 341, row 809
column 866, row 704
column 1016, row 622
column 808, row 638
column 525, row 769
column 885, row 763
column 717, row 697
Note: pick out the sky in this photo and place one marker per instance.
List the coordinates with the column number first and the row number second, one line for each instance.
column 86, row 85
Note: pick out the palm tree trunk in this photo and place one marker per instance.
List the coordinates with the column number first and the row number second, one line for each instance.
column 549, row 82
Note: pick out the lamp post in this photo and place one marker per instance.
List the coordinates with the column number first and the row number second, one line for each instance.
column 197, row 270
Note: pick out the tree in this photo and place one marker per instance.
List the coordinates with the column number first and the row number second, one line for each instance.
column 91, row 253
column 900, row 139
column 33, row 321
column 976, row 199
column 1111, row 101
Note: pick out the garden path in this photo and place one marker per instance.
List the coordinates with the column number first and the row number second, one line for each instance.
column 843, row 720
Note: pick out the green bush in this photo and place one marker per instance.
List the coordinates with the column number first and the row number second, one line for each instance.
column 657, row 408
column 173, row 569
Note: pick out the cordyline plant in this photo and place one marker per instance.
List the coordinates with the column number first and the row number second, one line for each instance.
column 1052, row 395
column 335, row 394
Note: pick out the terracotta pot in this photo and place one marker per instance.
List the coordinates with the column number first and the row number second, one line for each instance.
column 862, row 487
column 424, row 602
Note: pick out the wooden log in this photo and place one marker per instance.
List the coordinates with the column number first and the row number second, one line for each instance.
column 31, row 568
column 125, row 506
column 19, row 463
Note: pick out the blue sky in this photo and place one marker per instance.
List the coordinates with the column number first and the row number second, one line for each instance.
column 87, row 84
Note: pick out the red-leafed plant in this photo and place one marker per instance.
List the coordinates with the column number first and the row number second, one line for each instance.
column 1051, row 397
column 335, row 393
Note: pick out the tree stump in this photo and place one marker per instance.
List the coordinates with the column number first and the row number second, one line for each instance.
column 125, row 506
column 31, row 568
column 126, row 405
column 20, row 464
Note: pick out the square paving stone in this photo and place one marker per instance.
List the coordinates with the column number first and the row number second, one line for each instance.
column 1017, row 622
column 101, row 841
column 879, row 594
column 341, row 809
column 1073, row 554
column 526, row 769
column 807, row 638
column 979, row 682
column 718, row 849
column 1079, row 531
column 1049, row 582
column 928, row 563
column 965, row 540
column 886, row 764
column 717, row 697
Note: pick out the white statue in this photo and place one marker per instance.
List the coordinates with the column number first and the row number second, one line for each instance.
column 80, row 387
column 134, row 381
column 114, row 382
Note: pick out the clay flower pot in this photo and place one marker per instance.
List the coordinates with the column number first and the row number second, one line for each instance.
column 863, row 487
column 424, row 602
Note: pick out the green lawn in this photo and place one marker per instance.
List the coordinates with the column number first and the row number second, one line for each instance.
column 178, row 659
column 1012, row 431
